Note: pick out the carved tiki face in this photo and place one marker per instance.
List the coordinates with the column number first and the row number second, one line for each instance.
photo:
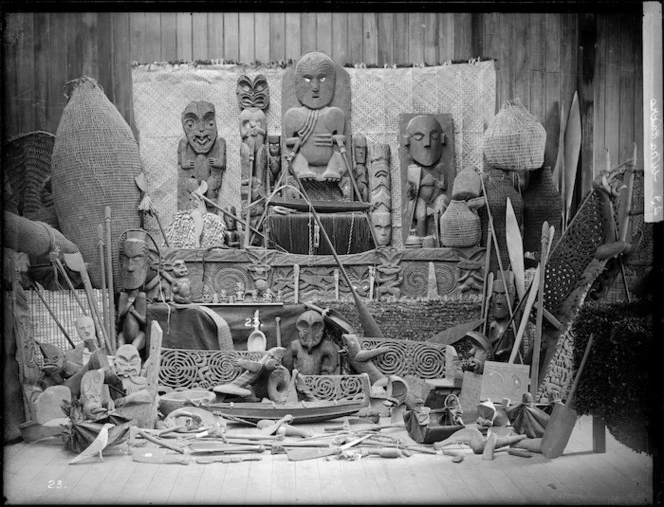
column 200, row 125
column 134, row 260
column 499, row 300
column 315, row 78
column 274, row 145
column 360, row 147
column 92, row 385
column 180, row 268
column 310, row 327
column 382, row 225
column 252, row 92
column 85, row 327
column 127, row 361
column 424, row 138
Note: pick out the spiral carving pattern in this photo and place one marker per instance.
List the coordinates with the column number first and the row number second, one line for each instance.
column 334, row 387
column 415, row 280
column 445, row 279
column 407, row 357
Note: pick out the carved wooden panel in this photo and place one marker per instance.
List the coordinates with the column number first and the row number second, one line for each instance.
column 334, row 387
column 407, row 357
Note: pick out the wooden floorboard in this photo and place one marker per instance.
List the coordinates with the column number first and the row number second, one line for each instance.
column 620, row 477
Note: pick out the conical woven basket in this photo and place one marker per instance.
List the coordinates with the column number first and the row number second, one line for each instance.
column 95, row 160
column 514, row 139
column 460, row 226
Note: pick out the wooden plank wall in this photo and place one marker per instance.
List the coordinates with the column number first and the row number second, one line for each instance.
column 536, row 57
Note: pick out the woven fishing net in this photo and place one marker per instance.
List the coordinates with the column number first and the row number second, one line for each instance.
column 95, row 161
column 514, row 140
column 378, row 97
column 27, row 167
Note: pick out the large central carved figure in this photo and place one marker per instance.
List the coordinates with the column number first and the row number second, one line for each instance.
column 314, row 131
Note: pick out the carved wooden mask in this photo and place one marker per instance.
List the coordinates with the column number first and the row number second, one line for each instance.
column 382, row 225
column 424, row 138
column 315, row 79
column 134, row 260
column 310, row 327
column 127, row 361
column 252, row 92
column 200, row 125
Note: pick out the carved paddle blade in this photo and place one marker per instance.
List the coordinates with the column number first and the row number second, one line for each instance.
column 515, row 249
column 572, row 151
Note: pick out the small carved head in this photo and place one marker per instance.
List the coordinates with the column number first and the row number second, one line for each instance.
column 85, row 327
column 382, row 225
column 315, row 79
column 360, row 148
column 92, row 385
column 253, row 92
column 424, row 139
column 180, row 269
column 310, row 327
column 274, row 145
column 127, row 361
column 499, row 306
column 200, row 125
column 134, row 260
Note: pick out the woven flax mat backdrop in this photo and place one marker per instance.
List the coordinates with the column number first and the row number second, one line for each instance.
column 378, row 96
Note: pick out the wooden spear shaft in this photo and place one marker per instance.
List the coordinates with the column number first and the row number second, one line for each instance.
column 109, row 274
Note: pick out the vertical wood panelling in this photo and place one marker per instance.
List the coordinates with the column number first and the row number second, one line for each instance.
column 568, row 55
column 26, row 72
column 123, row 97
column 536, row 59
column 139, row 32
column 492, row 46
column 385, row 38
column 324, row 32
column 638, row 89
column 612, row 116
column 308, row 32
column 600, row 93
column 199, row 35
column 247, row 37
column 72, row 24
column 293, row 35
column 463, row 36
column 231, row 36
column 152, row 51
column 506, row 74
column 89, row 56
column 277, row 36
column 184, row 47
column 588, row 79
column 216, row 35
column 431, row 38
column 552, row 97
column 445, row 36
column 106, row 43
column 10, row 40
column 416, row 36
column 401, row 38
column 169, row 51
column 627, row 83
column 355, row 37
column 41, row 57
column 370, row 38
column 521, row 59
column 340, row 37
column 262, row 31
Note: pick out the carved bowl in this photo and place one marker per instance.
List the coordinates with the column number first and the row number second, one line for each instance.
column 187, row 398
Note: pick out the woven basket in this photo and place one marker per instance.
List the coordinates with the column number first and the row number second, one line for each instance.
column 541, row 202
column 27, row 168
column 514, row 139
column 95, row 161
column 499, row 186
column 460, row 226
column 467, row 185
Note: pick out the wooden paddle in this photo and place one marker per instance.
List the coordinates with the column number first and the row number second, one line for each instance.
column 303, row 454
column 559, row 168
column 562, row 420
column 572, row 152
column 515, row 249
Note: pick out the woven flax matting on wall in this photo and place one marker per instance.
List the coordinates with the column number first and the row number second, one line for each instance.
column 378, row 97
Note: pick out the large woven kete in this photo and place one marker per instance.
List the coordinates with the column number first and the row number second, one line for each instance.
column 95, row 163
column 378, row 97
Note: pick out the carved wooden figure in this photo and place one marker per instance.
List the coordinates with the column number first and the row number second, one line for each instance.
column 231, row 235
column 315, row 129
column 273, row 160
column 181, row 284
column 427, row 170
column 132, row 304
column 381, row 194
column 499, row 319
column 311, row 353
column 253, row 370
column 94, row 406
column 201, row 154
column 360, row 170
column 389, row 275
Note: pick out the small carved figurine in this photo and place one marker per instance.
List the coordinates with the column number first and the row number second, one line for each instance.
column 273, row 160
column 232, row 237
column 311, row 354
column 360, row 171
column 132, row 304
column 201, row 154
column 92, row 396
column 181, row 284
column 128, row 369
column 500, row 317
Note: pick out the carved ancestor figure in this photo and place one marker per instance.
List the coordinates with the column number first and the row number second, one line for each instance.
column 201, row 154
column 253, row 96
column 94, row 404
column 499, row 319
column 231, row 236
column 132, row 304
column 360, row 170
column 311, row 354
column 273, row 160
column 382, row 226
column 389, row 275
column 314, row 131
column 426, row 175
column 381, row 196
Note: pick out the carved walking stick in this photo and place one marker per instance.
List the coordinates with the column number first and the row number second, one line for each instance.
column 109, row 263
column 104, row 295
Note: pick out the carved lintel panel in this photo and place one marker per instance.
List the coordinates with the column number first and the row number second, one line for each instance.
column 408, row 357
